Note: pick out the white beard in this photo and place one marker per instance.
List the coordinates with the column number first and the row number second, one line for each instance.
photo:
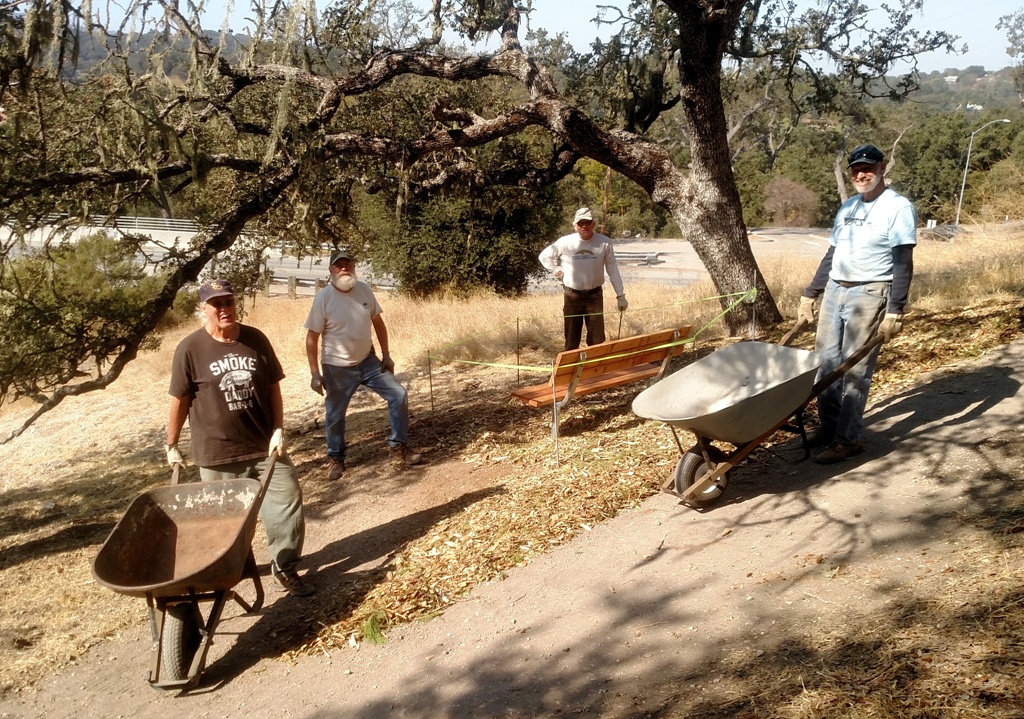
column 345, row 283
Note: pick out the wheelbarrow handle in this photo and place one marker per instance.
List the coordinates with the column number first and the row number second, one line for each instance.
column 177, row 467
column 265, row 477
column 798, row 327
column 847, row 364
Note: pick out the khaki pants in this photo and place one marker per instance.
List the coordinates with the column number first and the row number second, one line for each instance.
column 281, row 510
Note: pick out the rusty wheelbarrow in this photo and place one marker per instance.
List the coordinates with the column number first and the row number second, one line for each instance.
column 740, row 394
column 179, row 546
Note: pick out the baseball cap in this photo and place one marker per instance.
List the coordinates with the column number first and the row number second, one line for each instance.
column 214, row 288
column 865, row 155
column 340, row 254
column 583, row 213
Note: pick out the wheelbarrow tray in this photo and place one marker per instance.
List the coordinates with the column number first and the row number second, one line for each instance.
column 734, row 394
column 181, row 538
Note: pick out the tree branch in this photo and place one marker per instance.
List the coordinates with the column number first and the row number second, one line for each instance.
column 231, row 225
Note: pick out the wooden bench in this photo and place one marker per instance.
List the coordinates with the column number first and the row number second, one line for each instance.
column 609, row 364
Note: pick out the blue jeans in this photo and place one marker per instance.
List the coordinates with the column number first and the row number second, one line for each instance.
column 848, row 318
column 340, row 383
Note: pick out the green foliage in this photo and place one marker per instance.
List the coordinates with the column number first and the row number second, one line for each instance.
column 932, row 157
column 484, row 238
column 752, row 176
column 809, row 160
column 374, row 627
column 68, row 308
column 630, row 211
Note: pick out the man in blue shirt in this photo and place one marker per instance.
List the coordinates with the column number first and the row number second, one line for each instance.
column 865, row 280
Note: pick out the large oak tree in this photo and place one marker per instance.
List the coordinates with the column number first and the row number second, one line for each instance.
column 272, row 129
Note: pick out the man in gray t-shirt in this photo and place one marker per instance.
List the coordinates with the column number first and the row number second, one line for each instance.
column 339, row 325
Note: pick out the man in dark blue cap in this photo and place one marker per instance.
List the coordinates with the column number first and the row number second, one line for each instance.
column 864, row 279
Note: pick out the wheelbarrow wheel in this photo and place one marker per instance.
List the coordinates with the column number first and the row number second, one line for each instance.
column 690, row 469
column 181, row 640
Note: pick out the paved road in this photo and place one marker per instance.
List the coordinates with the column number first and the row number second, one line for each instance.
column 678, row 263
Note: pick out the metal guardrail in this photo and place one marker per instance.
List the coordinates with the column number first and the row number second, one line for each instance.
column 129, row 224
column 305, row 280
column 319, row 281
column 644, row 258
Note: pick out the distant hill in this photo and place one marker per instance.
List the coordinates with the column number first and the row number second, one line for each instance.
column 970, row 88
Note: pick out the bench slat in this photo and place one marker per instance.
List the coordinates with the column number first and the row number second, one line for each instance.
column 539, row 395
column 606, row 365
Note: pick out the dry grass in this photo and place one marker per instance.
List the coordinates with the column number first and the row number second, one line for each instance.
column 488, row 328
column 67, row 480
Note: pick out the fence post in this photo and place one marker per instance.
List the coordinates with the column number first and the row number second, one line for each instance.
column 320, row 284
column 293, row 284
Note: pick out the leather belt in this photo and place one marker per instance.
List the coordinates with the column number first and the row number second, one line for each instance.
column 852, row 284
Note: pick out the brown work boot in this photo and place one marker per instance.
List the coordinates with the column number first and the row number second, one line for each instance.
column 291, row 582
column 839, row 451
column 405, row 456
column 335, row 468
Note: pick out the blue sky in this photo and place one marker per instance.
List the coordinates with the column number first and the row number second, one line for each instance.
column 974, row 21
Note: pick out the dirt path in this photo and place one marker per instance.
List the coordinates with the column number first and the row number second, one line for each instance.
column 661, row 606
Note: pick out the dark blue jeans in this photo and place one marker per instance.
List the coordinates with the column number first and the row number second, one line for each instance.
column 340, row 383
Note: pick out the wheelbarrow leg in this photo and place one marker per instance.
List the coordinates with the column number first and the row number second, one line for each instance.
column 158, row 611
column 199, row 660
column 156, row 632
column 251, row 571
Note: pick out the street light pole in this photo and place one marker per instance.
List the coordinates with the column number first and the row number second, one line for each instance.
column 967, row 165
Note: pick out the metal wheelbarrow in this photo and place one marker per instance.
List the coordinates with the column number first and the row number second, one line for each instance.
column 740, row 394
column 179, row 546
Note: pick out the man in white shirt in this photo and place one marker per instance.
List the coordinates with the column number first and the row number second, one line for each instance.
column 342, row 315
column 580, row 261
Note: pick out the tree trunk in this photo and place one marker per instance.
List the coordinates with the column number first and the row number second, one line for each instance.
column 707, row 207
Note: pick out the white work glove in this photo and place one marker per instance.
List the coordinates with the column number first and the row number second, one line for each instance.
column 316, row 383
column 891, row 326
column 278, row 442
column 623, row 304
column 805, row 312
column 388, row 364
column 174, row 455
